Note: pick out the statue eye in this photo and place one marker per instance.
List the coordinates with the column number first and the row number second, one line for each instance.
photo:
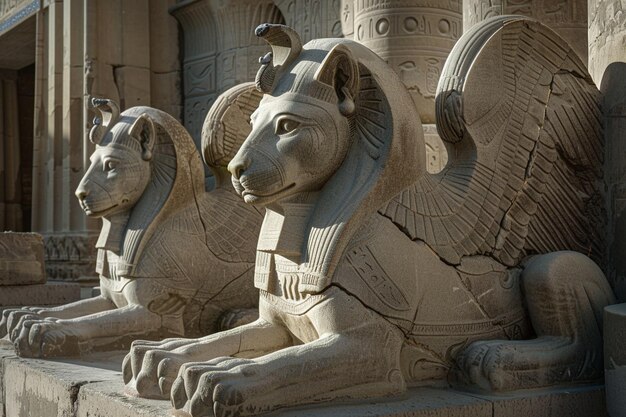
column 286, row 126
column 109, row 165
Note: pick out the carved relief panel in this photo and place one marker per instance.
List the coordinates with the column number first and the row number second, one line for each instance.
column 568, row 18
column 220, row 50
column 313, row 19
column 414, row 37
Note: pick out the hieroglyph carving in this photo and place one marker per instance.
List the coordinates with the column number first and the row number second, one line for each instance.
column 374, row 274
column 171, row 257
column 414, row 38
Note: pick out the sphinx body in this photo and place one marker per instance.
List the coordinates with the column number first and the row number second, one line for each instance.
column 375, row 275
column 172, row 257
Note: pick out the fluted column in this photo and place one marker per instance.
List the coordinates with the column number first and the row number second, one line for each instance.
column 415, row 38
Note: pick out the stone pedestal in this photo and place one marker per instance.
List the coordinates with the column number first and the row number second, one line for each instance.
column 23, row 277
column 615, row 359
column 21, row 259
column 93, row 387
column 415, row 38
column 567, row 18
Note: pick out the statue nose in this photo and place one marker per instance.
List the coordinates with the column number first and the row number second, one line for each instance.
column 81, row 192
column 237, row 166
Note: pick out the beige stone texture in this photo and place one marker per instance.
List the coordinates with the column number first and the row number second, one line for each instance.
column 21, row 259
column 46, row 389
column 414, row 38
column 607, row 35
column 436, row 154
column 91, row 388
column 49, row 294
column 567, row 18
column 388, row 276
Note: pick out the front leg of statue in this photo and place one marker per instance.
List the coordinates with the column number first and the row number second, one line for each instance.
column 54, row 337
column 150, row 368
column 11, row 317
column 323, row 369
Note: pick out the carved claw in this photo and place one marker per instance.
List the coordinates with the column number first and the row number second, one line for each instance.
column 150, row 368
column 215, row 386
column 45, row 338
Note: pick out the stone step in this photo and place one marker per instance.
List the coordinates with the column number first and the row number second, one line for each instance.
column 93, row 388
column 49, row 294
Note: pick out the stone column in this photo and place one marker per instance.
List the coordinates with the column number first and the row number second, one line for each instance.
column 567, row 18
column 124, row 50
column 415, row 38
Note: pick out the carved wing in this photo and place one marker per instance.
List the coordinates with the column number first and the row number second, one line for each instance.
column 231, row 226
column 521, row 120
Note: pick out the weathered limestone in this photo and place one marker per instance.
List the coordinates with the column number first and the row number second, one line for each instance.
column 21, row 259
column 91, row 387
column 22, row 274
column 567, row 18
column 385, row 275
column 52, row 293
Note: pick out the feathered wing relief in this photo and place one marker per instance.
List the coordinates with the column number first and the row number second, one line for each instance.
column 521, row 119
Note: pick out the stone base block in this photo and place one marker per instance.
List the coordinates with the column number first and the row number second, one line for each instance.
column 51, row 293
column 92, row 387
column 21, row 259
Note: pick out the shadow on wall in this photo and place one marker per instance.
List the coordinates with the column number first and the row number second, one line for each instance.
column 613, row 88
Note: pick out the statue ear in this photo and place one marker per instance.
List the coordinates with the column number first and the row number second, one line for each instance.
column 341, row 71
column 143, row 131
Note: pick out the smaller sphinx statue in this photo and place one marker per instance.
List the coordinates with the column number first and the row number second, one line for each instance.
column 172, row 257
column 375, row 275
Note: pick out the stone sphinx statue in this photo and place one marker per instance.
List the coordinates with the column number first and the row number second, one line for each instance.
column 172, row 257
column 375, row 275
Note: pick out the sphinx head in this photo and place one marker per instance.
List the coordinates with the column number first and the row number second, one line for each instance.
column 120, row 167
column 303, row 127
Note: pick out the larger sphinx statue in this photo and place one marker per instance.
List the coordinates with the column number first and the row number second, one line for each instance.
column 172, row 257
column 375, row 275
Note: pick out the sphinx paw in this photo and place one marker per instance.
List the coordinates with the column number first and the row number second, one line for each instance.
column 45, row 338
column 484, row 365
column 223, row 385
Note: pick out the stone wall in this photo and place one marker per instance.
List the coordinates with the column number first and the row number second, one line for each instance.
column 93, row 48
